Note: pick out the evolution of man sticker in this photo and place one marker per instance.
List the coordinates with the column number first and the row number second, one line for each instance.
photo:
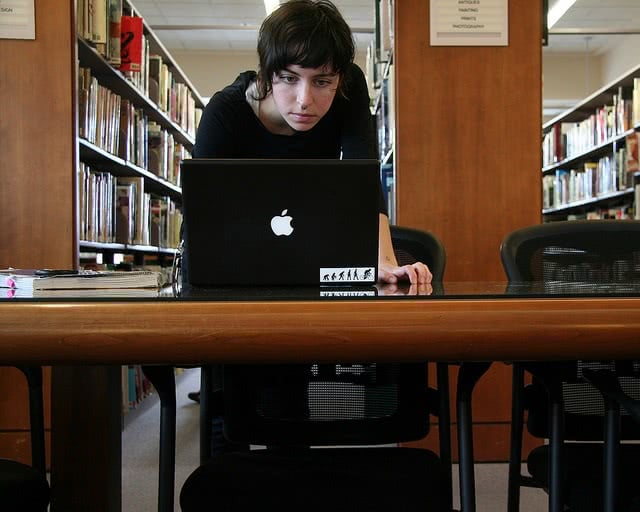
column 347, row 275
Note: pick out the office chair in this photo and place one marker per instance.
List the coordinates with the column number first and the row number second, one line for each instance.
column 24, row 488
column 327, row 429
column 411, row 245
column 561, row 404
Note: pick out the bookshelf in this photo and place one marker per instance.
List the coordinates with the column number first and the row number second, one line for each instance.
column 43, row 153
column 134, row 128
column 380, row 74
column 590, row 155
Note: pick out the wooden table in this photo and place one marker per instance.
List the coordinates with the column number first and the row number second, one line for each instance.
column 85, row 339
column 90, row 333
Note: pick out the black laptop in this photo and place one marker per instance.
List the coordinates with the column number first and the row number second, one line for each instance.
column 281, row 222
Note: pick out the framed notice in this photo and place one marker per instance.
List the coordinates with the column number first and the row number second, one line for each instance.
column 17, row 19
column 469, row 22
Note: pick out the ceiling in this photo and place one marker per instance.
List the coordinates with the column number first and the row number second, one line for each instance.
column 594, row 26
column 231, row 25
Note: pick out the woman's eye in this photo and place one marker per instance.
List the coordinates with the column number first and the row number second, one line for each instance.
column 289, row 79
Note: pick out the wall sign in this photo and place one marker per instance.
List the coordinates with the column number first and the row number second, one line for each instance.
column 469, row 22
column 17, row 19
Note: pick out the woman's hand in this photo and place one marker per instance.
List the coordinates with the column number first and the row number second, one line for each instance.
column 388, row 269
column 404, row 289
column 416, row 273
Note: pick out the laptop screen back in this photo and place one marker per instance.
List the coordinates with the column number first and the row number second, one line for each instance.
column 280, row 222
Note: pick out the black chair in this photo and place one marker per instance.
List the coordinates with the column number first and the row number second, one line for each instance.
column 23, row 487
column 577, row 466
column 411, row 245
column 328, row 428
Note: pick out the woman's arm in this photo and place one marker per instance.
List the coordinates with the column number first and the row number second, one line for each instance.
column 388, row 269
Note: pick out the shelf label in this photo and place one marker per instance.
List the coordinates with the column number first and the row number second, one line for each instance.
column 469, row 22
column 17, row 19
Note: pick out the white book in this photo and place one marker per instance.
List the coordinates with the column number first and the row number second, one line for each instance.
column 33, row 280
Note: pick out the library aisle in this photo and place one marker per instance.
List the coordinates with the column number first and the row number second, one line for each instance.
column 140, row 446
column 140, row 458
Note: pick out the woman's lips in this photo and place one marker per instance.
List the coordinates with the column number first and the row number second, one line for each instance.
column 303, row 118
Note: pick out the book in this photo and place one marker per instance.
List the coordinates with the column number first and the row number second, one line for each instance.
column 155, row 70
column 33, row 280
column 156, row 149
column 131, row 43
column 635, row 101
column 632, row 162
column 99, row 32
column 115, row 16
column 140, row 211
column 125, row 213
column 80, row 293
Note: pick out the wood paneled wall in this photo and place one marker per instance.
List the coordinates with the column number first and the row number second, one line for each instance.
column 468, row 161
column 37, row 144
column 37, row 198
column 468, row 136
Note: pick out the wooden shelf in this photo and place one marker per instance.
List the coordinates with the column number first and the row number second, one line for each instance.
column 609, row 148
column 90, row 153
column 593, row 201
column 99, row 165
column 599, row 98
column 125, row 248
column 114, row 80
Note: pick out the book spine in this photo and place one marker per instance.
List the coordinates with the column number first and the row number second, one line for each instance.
column 115, row 26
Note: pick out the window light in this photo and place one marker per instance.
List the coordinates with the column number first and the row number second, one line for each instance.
column 272, row 5
column 556, row 11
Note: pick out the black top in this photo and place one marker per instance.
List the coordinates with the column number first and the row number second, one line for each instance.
column 230, row 129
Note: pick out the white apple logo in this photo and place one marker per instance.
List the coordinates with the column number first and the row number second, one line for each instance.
column 281, row 224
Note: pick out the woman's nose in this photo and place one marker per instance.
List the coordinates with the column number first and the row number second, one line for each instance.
column 304, row 95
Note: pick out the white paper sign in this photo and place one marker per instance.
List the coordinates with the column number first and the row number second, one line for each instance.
column 17, row 19
column 469, row 22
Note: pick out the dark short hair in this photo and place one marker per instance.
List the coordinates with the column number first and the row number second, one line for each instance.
column 307, row 33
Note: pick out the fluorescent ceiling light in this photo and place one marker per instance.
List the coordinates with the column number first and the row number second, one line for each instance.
column 272, row 5
column 556, row 11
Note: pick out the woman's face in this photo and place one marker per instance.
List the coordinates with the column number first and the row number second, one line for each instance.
column 304, row 95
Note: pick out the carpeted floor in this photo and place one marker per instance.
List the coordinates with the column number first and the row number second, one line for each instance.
column 140, row 458
column 140, row 446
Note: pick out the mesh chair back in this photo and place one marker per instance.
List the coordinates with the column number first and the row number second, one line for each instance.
column 593, row 251
column 566, row 256
column 411, row 245
column 583, row 404
column 326, row 404
column 336, row 404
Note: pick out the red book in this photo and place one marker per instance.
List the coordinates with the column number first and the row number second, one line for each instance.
column 131, row 43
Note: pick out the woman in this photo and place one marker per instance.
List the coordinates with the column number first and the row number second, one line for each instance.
column 308, row 100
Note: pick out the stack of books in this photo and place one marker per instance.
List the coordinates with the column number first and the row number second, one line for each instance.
column 44, row 282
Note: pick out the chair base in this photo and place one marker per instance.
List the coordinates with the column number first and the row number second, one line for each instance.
column 22, row 488
column 583, row 487
column 322, row 479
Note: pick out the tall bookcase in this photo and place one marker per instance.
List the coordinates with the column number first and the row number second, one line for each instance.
column 380, row 75
column 590, row 155
column 40, row 220
column 134, row 128
column 44, row 148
